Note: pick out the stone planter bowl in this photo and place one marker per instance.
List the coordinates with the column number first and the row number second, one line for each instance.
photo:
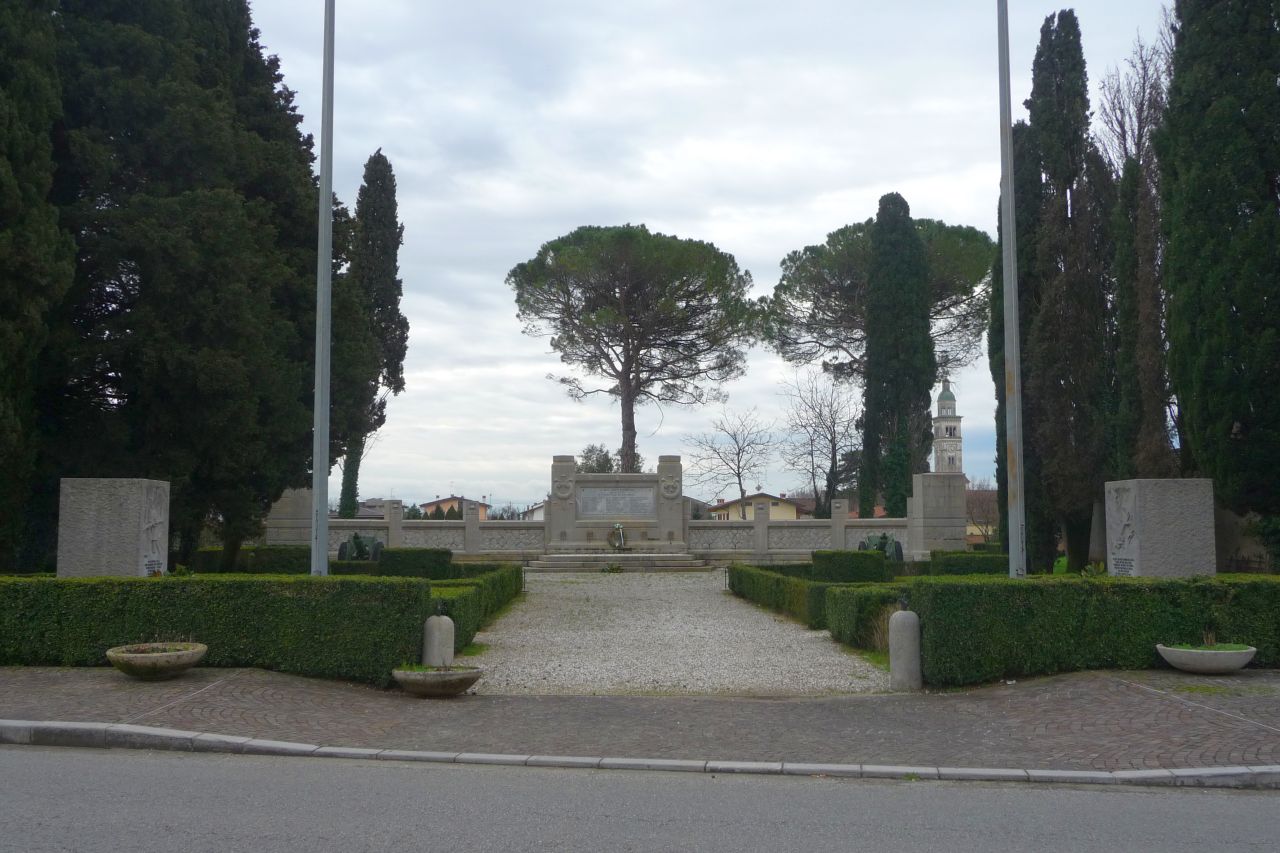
column 437, row 683
column 156, row 661
column 1206, row 661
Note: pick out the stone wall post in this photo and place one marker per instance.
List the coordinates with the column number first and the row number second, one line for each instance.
column 471, row 535
column 839, row 515
column 561, row 511
column 393, row 512
column 761, row 531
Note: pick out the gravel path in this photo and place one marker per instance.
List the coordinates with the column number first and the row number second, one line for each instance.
column 643, row 634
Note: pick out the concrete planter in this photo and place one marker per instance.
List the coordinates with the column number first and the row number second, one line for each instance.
column 156, row 661
column 1206, row 661
column 437, row 683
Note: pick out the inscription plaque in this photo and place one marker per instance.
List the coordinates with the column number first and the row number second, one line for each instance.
column 616, row 502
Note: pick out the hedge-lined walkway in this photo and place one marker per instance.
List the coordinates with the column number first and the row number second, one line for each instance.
column 675, row 633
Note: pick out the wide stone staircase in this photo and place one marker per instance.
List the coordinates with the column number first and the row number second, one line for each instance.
column 627, row 561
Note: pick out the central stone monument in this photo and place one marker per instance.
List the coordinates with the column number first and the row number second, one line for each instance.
column 605, row 513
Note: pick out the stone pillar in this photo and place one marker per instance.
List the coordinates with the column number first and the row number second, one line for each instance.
column 561, row 512
column 289, row 522
column 471, row 535
column 113, row 527
column 936, row 515
column 672, row 529
column 393, row 512
column 839, row 519
column 760, row 521
column 1160, row 528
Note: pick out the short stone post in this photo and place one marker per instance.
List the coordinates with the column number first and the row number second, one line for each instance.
column 437, row 641
column 904, row 651
column 839, row 518
column 113, row 527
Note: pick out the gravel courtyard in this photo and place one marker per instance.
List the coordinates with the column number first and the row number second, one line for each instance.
column 645, row 634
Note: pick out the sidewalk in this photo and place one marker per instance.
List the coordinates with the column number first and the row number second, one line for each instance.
column 1094, row 721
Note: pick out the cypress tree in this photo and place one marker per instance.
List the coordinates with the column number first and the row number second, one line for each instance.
column 1219, row 157
column 1028, row 187
column 900, row 364
column 36, row 258
column 1068, row 387
column 375, row 279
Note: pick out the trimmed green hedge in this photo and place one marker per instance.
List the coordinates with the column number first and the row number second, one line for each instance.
column 968, row 563
column 851, row 567
column 333, row 627
column 798, row 598
column 256, row 560
column 980, row 629
column 431, row 563
column 353, row 567
column 497, row 584
column 853, row 611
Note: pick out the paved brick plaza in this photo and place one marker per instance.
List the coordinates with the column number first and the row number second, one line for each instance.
column 1095, row 720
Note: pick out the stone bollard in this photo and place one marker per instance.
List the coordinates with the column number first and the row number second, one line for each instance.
column 437, row 641
column 904, row 651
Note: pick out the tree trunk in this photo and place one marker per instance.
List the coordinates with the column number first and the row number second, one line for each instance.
column 349, row 502
column 1077, row 531
column 627, row 401
column 742, row 502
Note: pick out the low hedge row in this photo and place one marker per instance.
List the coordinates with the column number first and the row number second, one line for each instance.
column 968, row 563
column 795, row 596
column 851, row 567
column 429, row 563
column 976, row 630
column 853, row 612
column 335, row 627
column 497, row 584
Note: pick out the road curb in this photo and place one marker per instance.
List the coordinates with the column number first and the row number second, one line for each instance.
column 130, row 736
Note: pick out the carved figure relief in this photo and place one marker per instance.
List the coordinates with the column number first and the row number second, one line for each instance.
column 1122, row 500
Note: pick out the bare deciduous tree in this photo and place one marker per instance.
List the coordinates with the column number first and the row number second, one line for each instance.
column 982, row 506
column 821, row 425
column 735, row 451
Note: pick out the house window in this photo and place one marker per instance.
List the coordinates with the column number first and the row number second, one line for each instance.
column 773, row 503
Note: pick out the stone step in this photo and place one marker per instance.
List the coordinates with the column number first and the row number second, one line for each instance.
column 628, row 562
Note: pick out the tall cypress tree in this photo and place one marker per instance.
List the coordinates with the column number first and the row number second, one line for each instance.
column 375, row 274
column 1028, row 188
column 900, row 363
column 36, row 258
column 1220, row 165
column 1068, row 387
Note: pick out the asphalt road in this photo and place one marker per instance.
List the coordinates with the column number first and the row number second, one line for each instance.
column 114, row 800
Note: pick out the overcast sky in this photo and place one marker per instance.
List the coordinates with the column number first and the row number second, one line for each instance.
column 759, row 127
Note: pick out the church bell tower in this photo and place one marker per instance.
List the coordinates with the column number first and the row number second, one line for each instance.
column 948, row 446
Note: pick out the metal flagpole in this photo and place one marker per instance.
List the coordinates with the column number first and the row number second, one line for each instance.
column 1012, row 348
column 324, row 274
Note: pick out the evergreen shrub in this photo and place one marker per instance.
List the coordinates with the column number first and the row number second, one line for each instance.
column 851, row 567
